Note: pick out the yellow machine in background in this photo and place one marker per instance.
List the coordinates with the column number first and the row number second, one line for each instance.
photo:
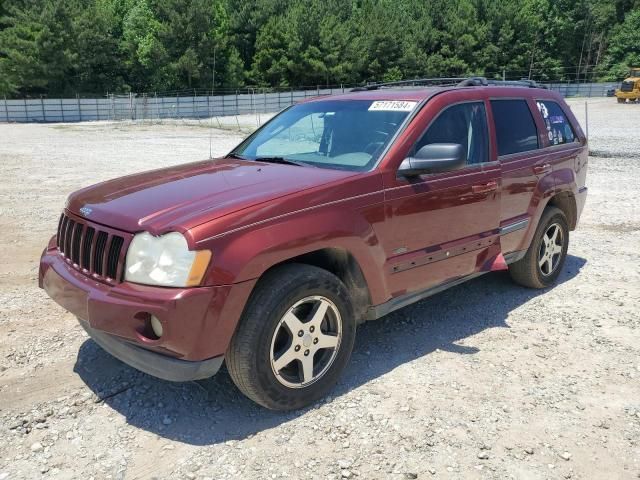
column 630, row 88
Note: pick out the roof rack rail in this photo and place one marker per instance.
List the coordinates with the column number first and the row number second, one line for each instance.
column 483, row 82
column 449, row 82
column 430, row 82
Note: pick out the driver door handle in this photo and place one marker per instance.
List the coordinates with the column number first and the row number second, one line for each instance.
column 485, row 187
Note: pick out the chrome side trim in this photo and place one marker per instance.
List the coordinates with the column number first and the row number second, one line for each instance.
column 513, row 227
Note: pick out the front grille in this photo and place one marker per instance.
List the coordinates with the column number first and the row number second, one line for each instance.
column 94, row 249
column 627, row 86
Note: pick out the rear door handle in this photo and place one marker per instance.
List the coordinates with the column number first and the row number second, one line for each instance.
column 485, row 188
column 544, row 168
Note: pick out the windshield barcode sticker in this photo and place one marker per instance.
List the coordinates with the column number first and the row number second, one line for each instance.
column 392, row 105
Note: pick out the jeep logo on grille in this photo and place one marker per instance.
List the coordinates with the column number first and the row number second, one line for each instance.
column 86, row 211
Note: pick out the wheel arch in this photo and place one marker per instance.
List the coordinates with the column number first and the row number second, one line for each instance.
column 344, row 265
column 566, row 202
column 563, row 200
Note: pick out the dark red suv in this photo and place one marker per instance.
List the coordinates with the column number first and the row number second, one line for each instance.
column 339, row 210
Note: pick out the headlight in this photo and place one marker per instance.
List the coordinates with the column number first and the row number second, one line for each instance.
column 165, row 261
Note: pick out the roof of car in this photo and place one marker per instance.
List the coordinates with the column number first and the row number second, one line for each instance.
column 422, row 93
column 409, row 94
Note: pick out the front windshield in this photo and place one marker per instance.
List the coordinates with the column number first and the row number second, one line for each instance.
column 344, row 134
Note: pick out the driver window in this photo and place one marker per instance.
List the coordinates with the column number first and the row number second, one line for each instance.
column 302, row 137
column 464, row 124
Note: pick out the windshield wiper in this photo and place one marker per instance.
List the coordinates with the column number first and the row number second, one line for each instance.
column 235, row 155
column 282, row 160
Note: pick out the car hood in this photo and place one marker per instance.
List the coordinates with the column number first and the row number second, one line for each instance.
column 184, row 196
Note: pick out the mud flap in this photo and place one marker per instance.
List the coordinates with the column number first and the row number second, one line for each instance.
column 496, row 261
column 499, row 263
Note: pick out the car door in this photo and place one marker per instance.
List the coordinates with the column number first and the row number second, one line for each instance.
column 445, row 225
column 526, row 171
column 566, row 152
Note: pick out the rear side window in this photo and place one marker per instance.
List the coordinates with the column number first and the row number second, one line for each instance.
column 558, row 127
column 464, row 124
column 515, row 128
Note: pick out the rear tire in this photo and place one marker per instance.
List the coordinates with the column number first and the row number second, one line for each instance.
column 294, row 339
column 543, row 262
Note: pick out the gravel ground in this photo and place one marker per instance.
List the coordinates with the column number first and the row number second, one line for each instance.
column 486, row 380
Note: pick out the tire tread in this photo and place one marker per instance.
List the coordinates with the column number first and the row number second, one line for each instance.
column 525, row 272
column 241, row 353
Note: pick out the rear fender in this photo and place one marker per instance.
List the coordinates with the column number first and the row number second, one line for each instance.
column 570, row 187
column 544, row 191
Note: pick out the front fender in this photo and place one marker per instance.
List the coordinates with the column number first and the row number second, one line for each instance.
column 247, row 253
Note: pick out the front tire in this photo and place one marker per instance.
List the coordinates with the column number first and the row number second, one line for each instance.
column 544, row 260
column 294, row 339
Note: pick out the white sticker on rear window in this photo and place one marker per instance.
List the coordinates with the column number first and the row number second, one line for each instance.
column 392, row 106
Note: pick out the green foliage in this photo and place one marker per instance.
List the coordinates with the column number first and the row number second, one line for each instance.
column 60, row 47
column 624, row 48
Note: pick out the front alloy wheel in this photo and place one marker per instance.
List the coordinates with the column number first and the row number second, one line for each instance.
column 294, row 339
column 306, row 341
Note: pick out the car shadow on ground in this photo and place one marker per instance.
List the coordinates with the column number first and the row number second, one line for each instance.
column 214, row 411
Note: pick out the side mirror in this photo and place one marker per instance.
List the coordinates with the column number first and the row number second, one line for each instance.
column 434, row 158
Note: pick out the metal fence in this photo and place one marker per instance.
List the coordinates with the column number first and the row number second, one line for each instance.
column 582, row 89
column 153, row 107
column 196, row 105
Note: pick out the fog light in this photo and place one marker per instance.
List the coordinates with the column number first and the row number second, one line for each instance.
column 156, row 326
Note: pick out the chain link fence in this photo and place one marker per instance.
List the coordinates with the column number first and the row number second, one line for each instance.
column 196, row 104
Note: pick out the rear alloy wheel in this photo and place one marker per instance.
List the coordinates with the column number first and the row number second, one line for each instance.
column 551, row 248
column 294, row 339
column 543, row 262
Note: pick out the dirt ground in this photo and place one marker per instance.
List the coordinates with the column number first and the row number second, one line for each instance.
column 486, row 380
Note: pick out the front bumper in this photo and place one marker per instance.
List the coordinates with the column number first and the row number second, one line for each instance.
column 197, row 322
column 153, row 363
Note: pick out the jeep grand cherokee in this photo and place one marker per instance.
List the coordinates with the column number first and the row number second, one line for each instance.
column 339, row 210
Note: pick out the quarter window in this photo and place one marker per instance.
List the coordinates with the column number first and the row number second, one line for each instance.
column 558, row 127
column 515, row 128
column 464, row 124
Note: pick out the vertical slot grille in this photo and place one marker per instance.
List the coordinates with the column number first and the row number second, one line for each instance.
column 114, row 256
column 60, row 222
column 90, row 248
column 62, row 233
column 86, row 248
column 101, row 244
column 75, row 243
column 67, row 237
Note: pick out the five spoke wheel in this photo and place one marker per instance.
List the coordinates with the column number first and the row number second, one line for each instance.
column 550, row 249
column 305, row 342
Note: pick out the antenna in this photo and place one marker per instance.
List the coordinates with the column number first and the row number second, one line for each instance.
column 213, row 87
column 210, row 126
column 586, row 118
